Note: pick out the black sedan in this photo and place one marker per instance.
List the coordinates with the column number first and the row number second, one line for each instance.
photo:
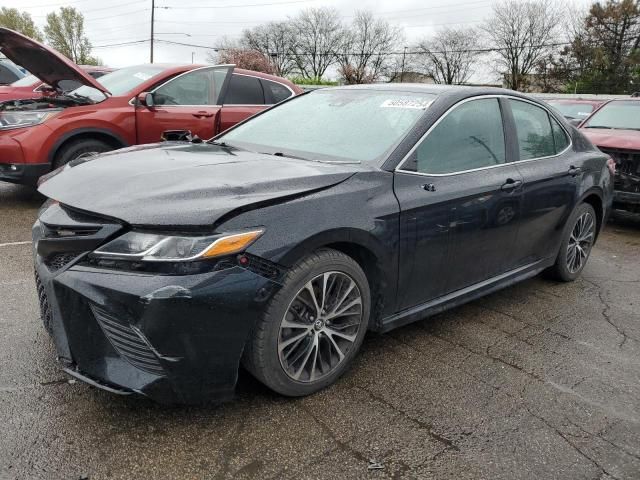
column 162, row 269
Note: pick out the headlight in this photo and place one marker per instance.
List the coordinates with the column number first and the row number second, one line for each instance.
column 152, row 247
column 25, row 118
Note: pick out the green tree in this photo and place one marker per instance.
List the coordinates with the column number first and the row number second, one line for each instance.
column 605, row 55
column 20, row 22
column 65, row 33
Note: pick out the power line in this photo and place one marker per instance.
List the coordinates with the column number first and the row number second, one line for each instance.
column 133, row 42
column 190, row 7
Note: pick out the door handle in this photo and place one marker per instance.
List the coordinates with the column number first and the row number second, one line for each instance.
column 203, row 115
column 574, row 171
column 510, row 185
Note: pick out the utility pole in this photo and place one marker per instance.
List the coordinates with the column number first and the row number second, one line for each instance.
column 404, row 54
column 153, row 11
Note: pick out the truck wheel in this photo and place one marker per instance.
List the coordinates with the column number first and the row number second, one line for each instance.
column 80, row 148
column 579, row 236
column 313, row 327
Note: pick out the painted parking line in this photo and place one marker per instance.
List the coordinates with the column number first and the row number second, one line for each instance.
column 11, row 244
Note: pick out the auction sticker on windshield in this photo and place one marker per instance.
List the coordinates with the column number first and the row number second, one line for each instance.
column 406, row 103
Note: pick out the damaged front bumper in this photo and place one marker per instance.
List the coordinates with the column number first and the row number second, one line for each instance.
column 173, row 338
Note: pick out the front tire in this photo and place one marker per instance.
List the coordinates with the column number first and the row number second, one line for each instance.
column 78, row 149
column 578, row 239
column 313, row 327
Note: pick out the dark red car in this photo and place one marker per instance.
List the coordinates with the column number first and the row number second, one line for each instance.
column 32, row 87
column 575, row 109
column 615, row 129
column 129, row 106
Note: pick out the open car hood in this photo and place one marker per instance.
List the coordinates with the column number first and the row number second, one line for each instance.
column 192, row 185
column 45, row 63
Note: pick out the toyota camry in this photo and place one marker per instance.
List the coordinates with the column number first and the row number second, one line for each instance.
column 162, row 269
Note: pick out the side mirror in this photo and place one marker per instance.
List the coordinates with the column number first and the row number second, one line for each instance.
column 575, row 121
column 145, row 98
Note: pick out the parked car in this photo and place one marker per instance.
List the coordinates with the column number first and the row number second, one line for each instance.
column 279, row 243
column 615, row 129
column 9, row 72
column 130, row 106
column 575, row 109
column 31, row 87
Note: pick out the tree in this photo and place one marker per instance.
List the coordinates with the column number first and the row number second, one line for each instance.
column 523, row 34
column 248, row 59
column 275, row 40
column 317, row 32
column 610, row 46
column 366, row 49
column 450, row 55
column 20, row 22
column 65, row 33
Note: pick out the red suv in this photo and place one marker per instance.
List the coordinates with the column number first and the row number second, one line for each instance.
column 129, row 106
column 32, row 87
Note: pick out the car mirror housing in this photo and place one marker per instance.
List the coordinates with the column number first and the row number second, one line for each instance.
column 145, row 98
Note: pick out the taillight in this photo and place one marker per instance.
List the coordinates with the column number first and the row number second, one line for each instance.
column 611, row 165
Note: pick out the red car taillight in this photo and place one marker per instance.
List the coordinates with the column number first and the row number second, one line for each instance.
column 611, row 165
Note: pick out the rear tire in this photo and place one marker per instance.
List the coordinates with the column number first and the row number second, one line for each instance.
column 80, row 148
column 301, row 345
column 577, row 241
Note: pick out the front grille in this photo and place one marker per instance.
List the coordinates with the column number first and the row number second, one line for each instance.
column 128, row 342
column 627, row 161
column 59, row 260
column 45, row 309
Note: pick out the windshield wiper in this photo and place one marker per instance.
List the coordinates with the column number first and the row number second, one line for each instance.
column 600, row 126
column 77, row 96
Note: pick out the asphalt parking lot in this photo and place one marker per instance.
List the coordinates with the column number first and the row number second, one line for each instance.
column 538, row 381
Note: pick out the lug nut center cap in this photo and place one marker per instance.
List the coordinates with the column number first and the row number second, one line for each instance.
column 318, row 325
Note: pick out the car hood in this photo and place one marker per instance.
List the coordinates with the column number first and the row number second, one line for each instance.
column 45, row 63
column 624, row 139
column 190, row 185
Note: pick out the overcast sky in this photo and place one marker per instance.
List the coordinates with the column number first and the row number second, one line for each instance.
column 206, row 22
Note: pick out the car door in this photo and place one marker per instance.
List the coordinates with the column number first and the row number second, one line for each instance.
column 244, row 97
column 550, row 172
column 460, row 201
column 186, row 102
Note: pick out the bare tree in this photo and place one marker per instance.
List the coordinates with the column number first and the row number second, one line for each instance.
column 368, row 44
column 449, row 56
column 523, row 33
column 317, row 32
column 275, row 40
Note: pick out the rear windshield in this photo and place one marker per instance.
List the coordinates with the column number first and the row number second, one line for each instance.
column 572, row 110
column 624, row 115
column 334, row 125
column 121, row 81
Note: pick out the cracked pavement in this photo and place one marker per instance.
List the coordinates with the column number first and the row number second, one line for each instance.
column 540, row 380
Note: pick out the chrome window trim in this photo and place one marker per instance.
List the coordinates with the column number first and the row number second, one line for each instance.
column 399, row 168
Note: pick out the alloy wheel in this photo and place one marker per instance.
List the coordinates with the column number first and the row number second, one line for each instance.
column 580, row 242
column 320, row 326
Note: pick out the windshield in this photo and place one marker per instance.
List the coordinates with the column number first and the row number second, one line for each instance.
column 617, row 114
column 26, row 81
column 572, row 110
column 333, row 124
column 120, row 82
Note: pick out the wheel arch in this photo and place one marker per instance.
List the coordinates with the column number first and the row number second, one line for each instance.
column 367, row 251
column 102, row 134
column 594, row 197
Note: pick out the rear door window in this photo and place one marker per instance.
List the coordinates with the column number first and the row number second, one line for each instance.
column 535, row 136
column 244, row 90
column 560, row 138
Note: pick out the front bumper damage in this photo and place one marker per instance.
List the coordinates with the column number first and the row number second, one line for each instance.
column 173, row 338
